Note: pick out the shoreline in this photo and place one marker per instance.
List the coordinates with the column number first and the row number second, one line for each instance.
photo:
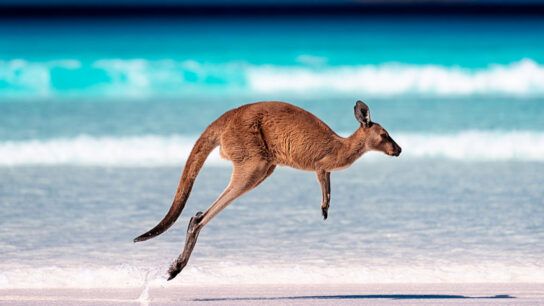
column 319, row 294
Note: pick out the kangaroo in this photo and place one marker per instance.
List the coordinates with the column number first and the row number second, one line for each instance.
column 258, row 137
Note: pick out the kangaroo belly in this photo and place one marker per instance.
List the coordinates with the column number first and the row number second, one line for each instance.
column 300, row 151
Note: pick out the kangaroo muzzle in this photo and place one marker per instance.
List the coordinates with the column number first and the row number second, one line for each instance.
column 396, row 149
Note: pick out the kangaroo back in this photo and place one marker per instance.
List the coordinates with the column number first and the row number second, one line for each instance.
column 202, row 148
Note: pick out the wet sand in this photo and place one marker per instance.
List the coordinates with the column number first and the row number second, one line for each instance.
column 325, row 294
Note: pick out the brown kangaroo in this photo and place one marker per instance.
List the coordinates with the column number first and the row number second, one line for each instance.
column 256, row 138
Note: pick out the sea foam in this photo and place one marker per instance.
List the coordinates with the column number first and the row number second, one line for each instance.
column 128, row 276
column 153, row 150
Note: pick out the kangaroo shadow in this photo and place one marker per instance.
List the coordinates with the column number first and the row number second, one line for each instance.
column 369, row 296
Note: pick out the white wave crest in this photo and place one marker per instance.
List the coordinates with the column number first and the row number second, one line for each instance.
column 174, row 150
column 521, row 78
column 312, row 77
column 475, row 145
column 100, row 151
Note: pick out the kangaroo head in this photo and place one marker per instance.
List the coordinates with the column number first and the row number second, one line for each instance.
column 376, row 137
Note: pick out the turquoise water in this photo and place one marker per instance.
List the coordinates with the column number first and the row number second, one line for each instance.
column 98, row 116
column 166, row 117
column 250, row 57
column 342, row 40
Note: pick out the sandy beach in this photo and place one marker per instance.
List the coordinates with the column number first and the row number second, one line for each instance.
column 353, row 294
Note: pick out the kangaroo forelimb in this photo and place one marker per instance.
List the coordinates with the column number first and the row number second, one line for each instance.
column 324, row 178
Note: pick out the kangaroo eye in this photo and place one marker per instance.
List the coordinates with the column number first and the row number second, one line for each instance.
column 383, row 136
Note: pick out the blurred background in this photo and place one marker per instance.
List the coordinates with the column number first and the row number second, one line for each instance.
column 101, row 102
column 73, row 74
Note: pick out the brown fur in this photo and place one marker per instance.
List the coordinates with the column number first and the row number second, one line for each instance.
column 256, row 138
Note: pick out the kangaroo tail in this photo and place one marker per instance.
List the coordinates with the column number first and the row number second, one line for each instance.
column 203, row 146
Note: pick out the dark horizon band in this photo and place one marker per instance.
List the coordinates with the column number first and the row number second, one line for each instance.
column 248, row 10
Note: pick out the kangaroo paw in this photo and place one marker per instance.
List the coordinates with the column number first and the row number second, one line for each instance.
column 325, row 211
column 173, row 272
column 178, row 265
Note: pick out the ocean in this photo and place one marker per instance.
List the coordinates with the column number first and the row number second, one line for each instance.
column 97, row 117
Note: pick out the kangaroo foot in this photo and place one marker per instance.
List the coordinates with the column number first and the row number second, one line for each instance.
column 325, row 211
column 192, row 235
column 174, row 271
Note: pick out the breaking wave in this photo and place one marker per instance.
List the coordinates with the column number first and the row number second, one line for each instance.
column 173, row 150
column 141, row 78
column 100, row 151
column 518, row 79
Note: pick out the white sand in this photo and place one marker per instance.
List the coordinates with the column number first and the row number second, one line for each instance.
column 366, row 294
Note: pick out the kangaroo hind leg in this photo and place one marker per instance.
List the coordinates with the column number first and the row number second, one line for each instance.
column 245, row 177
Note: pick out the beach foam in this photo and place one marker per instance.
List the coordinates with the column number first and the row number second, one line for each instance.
column 155, row 150
column 141, row 78
column 127, row 276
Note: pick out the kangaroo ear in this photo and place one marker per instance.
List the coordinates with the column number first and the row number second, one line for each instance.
column 362, row 113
